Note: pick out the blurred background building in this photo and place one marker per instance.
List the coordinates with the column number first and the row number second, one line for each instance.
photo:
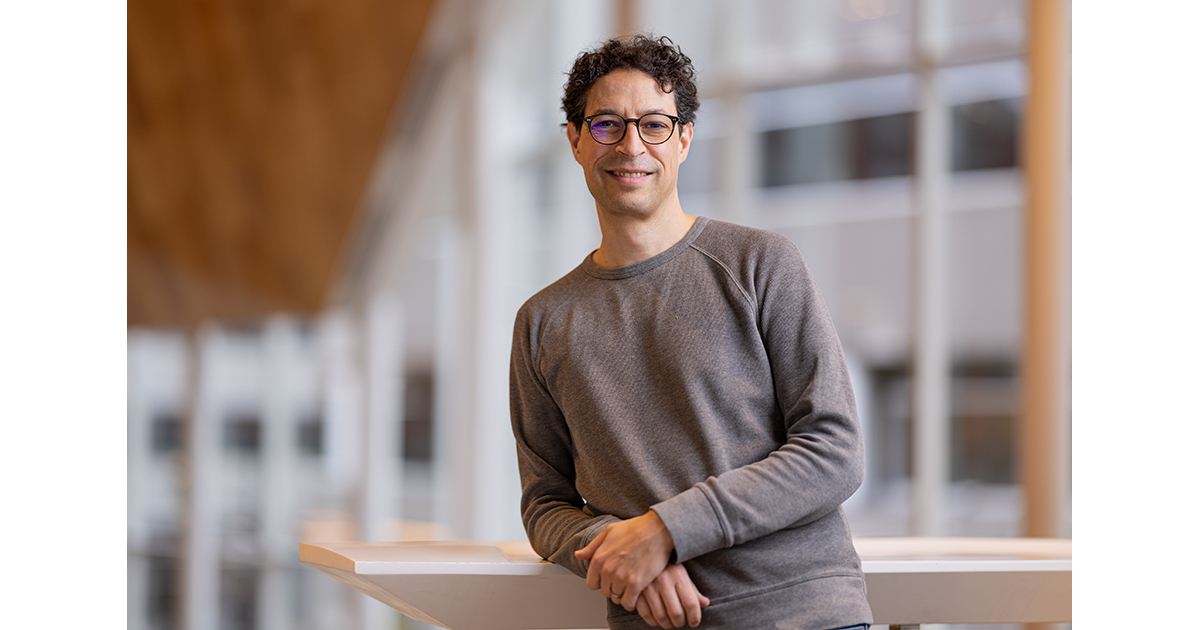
column 336, row 208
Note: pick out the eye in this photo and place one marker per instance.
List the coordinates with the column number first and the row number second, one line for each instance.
column 606, row 123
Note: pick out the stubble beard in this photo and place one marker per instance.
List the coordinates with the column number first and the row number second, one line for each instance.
column 643, row 202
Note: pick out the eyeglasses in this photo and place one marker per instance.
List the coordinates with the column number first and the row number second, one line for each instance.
column 610, row 128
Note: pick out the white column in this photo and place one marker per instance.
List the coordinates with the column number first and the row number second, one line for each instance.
column 453, row 465
column 201, row 550
column 450, row 508
column 276, row 529
column 382, row 358
column 475, row 452
column 342, row 405
column 735, row 160
column 384, row 368
column 343, row 411
column 138, row 452
column 931, row 347
column 494, row 205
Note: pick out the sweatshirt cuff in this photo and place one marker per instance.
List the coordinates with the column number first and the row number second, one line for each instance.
column 693, row 522
column 565, row 555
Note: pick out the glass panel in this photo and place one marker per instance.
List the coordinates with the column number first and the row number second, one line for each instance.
column 986, row 134
column 849, row 150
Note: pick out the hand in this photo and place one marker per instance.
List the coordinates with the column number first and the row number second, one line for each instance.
column 626, row 557
column 671, row 600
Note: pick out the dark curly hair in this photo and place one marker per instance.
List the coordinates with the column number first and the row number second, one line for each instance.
column 660, row 58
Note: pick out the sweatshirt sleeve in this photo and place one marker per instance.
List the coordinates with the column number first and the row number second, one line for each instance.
column 821, row 462
column 555, row 516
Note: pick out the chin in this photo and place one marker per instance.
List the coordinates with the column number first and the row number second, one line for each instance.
column 635, row 209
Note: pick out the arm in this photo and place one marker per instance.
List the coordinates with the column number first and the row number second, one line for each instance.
column 553, row 512
column 820, row 463
column 558, row 522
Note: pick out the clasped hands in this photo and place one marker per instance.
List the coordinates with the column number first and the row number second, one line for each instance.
column 630, row 564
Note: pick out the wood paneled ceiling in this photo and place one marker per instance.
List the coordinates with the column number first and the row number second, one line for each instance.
column 253, row 128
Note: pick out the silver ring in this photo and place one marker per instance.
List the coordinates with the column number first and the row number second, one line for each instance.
column 617, row 595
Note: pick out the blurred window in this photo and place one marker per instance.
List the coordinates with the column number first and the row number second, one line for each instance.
column 983, row 135
column 163, row 595
column 418, row 416
column 310, row 436
column 880, row 146
column 238, row 597
column 982, row 422
column 986, row 134
column 242, row 434
column 164, row 434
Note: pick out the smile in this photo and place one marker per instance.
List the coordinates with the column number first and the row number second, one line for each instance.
column 628, row 175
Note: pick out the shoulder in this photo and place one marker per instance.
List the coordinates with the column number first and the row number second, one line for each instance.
column 752, row 254
column 731, row 242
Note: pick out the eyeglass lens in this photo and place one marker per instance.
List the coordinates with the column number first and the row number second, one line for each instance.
column 610, row 129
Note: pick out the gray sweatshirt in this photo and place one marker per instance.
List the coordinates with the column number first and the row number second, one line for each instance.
column 706, row 383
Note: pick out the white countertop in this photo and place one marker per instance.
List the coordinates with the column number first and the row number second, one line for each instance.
column 506, row 586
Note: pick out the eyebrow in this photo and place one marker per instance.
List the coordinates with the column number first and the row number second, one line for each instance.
column 603, row 111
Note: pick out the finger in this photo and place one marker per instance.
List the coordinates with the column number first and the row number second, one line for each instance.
column 690, row 603
column 647, row 615
column 593, row 577
column 611, row 590
column 590, row 548
column 610, row 581
column 654, row 599
column 635, row 585
column 674, row 607
column 628, row 600
column 594, row 568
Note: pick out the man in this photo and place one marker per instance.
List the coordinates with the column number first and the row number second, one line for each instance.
column 685, row 427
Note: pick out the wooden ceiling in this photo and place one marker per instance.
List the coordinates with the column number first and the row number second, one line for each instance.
column 253, row 128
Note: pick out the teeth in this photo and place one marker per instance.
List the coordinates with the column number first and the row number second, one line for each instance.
column 630, row 174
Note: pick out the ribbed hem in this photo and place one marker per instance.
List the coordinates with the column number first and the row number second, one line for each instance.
column 820, row 603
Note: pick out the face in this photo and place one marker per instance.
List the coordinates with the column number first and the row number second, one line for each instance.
column 630, row 177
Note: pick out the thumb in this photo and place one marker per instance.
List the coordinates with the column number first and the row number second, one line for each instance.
column 588, row 551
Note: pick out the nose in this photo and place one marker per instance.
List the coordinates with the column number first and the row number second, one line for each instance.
column 631, row 144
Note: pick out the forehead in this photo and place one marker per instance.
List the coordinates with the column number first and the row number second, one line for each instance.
column 629, row 92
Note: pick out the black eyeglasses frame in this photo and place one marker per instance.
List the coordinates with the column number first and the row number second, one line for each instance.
column 625, row 129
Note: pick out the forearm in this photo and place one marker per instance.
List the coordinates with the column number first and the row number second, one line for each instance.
column 557, row 531
column 799, row 483
column 555, row 516
column 556, row 519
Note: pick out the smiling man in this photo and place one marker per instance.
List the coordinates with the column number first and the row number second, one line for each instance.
column 685, row 426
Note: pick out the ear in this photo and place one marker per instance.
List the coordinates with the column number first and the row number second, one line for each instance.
column 573, row 138
column 685, row 141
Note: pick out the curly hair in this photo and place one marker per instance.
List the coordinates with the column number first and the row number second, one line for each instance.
column 660, row 58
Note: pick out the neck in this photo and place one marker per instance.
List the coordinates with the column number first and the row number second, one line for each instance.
column 630, row 239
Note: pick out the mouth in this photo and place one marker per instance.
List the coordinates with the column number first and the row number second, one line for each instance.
column 629, row 176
